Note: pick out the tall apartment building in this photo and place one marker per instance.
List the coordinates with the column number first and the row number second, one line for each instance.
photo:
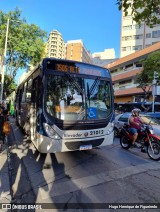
column 76, row 51
column 55, row 45
column 135, row 38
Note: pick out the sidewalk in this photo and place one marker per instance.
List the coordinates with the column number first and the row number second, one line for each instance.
column 5, row 195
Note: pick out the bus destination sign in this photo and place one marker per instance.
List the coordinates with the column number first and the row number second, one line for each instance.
column 67, row 68
column 77, row 68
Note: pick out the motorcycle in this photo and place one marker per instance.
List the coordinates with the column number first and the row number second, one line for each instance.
column 146, row 140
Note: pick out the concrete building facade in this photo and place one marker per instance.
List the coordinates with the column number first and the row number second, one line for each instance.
column 135, row 37
column 55, row 45
column 103, row 58
column 124, row 72
column 75, row 50
column 106, row 54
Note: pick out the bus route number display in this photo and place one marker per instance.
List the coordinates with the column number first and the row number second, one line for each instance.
column 67, row 68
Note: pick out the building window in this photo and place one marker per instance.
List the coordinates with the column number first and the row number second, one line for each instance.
column 136, row 48
column 136, row 37
column 148, row 35
column 147, row 45
column 125, row 82
column 136, row 26
column 127, row 27
column 128, row 48
column 129, row 66
column 138, row 65
column 126, row 38
column 156, row 34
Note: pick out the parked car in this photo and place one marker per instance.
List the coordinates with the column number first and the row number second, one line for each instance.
column 153, row 114
column 122, row 119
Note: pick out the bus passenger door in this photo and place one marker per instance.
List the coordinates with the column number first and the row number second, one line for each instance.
column 27, row 106
column 18, row 106
column 34, row 107
column 23, row 107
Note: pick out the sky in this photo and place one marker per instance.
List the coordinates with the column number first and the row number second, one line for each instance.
column 95, row 22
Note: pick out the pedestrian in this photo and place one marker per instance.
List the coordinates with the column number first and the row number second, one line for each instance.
column 1, row 129
column 4, row 111
column 3, row 106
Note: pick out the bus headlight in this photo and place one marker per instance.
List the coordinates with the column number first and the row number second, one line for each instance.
column 51, row 132
column 111, row 129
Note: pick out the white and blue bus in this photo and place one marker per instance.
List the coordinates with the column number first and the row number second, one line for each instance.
column 66, row 105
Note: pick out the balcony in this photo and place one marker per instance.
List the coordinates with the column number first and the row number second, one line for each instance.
column 126, row 75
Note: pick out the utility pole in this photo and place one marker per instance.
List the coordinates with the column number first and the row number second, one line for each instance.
column 154, row 86
column 4, row 59
column 4, row 63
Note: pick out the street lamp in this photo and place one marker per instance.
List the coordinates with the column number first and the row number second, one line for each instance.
column 4, row 61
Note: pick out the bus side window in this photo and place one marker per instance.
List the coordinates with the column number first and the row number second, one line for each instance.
column 24, row 93
column 36, row 95
column 19, row 98
column 29, row 91
column 39, row 95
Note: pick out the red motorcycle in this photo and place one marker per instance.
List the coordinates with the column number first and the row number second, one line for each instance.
column 146, row 140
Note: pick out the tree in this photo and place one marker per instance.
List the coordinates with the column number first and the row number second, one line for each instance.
column 142, row 11
column 150, row 64
column 9, row 86
column 145, row 78
column 25, row 43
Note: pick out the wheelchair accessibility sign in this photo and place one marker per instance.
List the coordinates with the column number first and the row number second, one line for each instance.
column 92, row 112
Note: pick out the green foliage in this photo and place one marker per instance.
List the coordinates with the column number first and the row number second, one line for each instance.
column 9, row 86
column 145, row 78
column 151, row 64
column 25, row 44
column 142, row 11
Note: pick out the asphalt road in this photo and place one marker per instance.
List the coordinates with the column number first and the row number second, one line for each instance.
column 109, row 175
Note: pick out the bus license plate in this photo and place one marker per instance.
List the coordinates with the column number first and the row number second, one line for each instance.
column 85, row 147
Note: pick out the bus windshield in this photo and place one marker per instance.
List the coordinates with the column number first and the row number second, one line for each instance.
column 77, row 98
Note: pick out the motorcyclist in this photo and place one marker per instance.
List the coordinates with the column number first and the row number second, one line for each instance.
column 135, row 122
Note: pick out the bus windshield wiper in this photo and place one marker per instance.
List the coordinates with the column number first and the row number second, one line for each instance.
column 93, row 87
column 72, row 80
